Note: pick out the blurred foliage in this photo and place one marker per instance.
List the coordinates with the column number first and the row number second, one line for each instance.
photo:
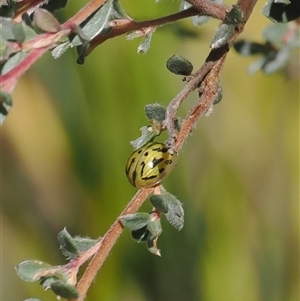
column 65, row 145
column 282, row 40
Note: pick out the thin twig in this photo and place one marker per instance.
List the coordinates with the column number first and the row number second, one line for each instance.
column 120, row 27
column 204, row 103
column 107, row 242
column 9, row 80
column 210, row 8
column 84, row 13
column 214, row 58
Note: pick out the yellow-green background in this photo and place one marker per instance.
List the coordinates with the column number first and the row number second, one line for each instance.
column 66, row 141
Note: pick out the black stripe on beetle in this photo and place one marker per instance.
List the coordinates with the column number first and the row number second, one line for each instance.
column 156, row 161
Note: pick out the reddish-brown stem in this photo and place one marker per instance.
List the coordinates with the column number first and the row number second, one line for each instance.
column 9, row 80
column 120, row 27
column 204, row 103
column 214, row 58
column 80, row 260
column 247, row 7
column 209, row 8
column 107, row 242
column 85, row 12
column 180, row 97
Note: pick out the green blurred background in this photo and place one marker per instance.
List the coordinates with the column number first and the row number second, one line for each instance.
column 66, row 141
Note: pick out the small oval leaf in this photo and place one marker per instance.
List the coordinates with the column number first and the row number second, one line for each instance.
column 47, row 281
column 175, row 214
column 45, row 20
column 222, row 35
column 64, row 290
column 18, row 32
column 156, row 112
column 27, row 270
column 135, row 221
column 179, row 65
column 158, row 201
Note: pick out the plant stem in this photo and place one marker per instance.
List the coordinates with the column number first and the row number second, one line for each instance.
column 9, row 80
column 204, row 103
column 107, row 242
column 120, row 27
column 215, row 56
column 84, row 13
column 210, row 8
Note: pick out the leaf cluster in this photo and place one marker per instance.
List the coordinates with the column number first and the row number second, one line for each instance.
column 60, row 279
column 280, row 41
column 146, row 227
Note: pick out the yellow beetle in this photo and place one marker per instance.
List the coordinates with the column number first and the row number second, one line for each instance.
column 149, row 165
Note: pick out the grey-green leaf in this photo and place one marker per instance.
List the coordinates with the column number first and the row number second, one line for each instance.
column 279, row 11
column 46, row 21
column 135, row 221
column 156, row 112
column 6, row 26
column 148, row 134
column 179, row 65
column 145, row 44
column 18, row 32
column 154, row 227
column 67, row 244
column 60, row 49
column 84, row 243
column 13, row 61
column 247, row 48
column 175, row 214
column 64, row 290
column 119, row 12
column 257, row 65
column 47, row 281
column 27, row 270
column 159, row 202
column 234, row 16
column 222, row 35
column 278, row 62
column 97, row 22
column 275, row 34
